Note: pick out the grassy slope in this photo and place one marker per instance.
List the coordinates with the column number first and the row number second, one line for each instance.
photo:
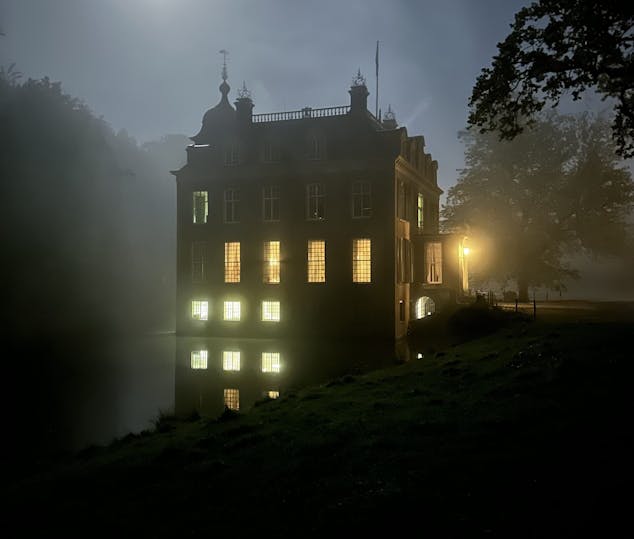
column 522, row 433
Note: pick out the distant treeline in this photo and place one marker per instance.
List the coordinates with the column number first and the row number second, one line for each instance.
column 87, row 218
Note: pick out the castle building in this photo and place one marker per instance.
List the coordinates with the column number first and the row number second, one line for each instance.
column 319, row 222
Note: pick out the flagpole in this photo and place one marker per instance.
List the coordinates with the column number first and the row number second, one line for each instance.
column 376, row 61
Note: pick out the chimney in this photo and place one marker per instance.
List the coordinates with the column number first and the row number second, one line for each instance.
column 244, row 106
column 358, row 95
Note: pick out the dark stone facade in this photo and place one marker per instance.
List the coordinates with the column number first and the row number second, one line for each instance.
column 238, row 157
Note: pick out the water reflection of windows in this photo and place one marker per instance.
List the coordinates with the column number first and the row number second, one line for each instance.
column 200, row 310
column 232, row 399
column 361, row 261
column 232, row 310
column 271, row 262
column 316, row 261
column 271, row 311
column 199, row 359
column 230, row 360
column 201, row 207
column 271, row 362
column 232, row 262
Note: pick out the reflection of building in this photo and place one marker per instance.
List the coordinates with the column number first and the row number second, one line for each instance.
column 318, row 221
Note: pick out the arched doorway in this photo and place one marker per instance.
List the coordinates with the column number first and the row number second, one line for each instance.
column 423, row 307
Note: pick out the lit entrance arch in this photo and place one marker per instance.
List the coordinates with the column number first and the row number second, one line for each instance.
column 423, row 307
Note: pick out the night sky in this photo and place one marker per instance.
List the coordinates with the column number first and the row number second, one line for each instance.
column 152, row 67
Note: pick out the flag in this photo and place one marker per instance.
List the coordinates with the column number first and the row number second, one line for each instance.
column 376, row 59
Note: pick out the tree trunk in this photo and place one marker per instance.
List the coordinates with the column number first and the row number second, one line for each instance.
column 522, row 290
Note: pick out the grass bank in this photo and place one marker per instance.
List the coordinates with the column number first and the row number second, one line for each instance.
column 523, row 433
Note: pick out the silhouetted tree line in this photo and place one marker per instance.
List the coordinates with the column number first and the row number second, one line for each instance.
column 87, row 217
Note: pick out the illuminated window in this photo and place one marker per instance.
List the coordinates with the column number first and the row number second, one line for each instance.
column 199, row 250
column 271, row 273
column 232, row 310
column 230, row 360
column 361, row 261
column 232, row 399
column 201, row 207
column 200, row 310
column 315, row 196
column 361, row 199
column 232, row 262
column 316, row 261
column 271, row 362
column 273, row 394
column 423, row 307
column 199, row 359
column 232, row 201
column 271, row 311
column 433, row 262
column 419, row 210
column 271, row 203
column 231, row 155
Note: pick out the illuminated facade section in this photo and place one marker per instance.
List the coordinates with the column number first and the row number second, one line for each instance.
column 273, row 394
column 271, row 362
column 201, row 207
column 270, row 311
column 316, row 261
column 230, row 360
column 433, row 262
column 361, row 199
column 200, row 309
column 361, row 261
column 231, row 311
column 271, row 270
column 199, row 359
column 232, row 399
column 232, row 262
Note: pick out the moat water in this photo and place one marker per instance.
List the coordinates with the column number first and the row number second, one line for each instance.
column 90, row 392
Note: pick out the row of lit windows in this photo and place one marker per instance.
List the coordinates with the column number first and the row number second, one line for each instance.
column 270, row 361
column 315, row 203
column 315, row 263
column 231, row 311
column 232, row 398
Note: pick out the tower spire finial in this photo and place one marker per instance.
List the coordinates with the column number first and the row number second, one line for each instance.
column 224, row 64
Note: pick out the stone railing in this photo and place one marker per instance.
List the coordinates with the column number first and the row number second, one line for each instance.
column 306, row 112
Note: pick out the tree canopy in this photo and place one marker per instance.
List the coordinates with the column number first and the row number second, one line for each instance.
column 554, row 190
column 557, row 46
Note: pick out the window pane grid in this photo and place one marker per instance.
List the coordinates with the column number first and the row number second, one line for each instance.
column 199, row 359
column 316, row 261
column 271, row 262
column 232, row 199
column 315, row 201
column 200, row 207
column 271, row 311
column 271, row 199
column 232, row 262
column 199, row 249
column 361, row 261
column 232, row 399
column 232, row 310
column 419, row 210
column 230, row 360
column 271, row 362
column 200, row 310
column 361, row 199
column 433, row 255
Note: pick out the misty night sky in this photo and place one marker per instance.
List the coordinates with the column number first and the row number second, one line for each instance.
column 152, row 67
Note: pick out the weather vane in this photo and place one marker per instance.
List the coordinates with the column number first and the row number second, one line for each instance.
column 224, row 63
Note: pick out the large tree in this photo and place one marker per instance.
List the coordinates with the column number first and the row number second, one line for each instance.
column 557, row 46
column 556, row 189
